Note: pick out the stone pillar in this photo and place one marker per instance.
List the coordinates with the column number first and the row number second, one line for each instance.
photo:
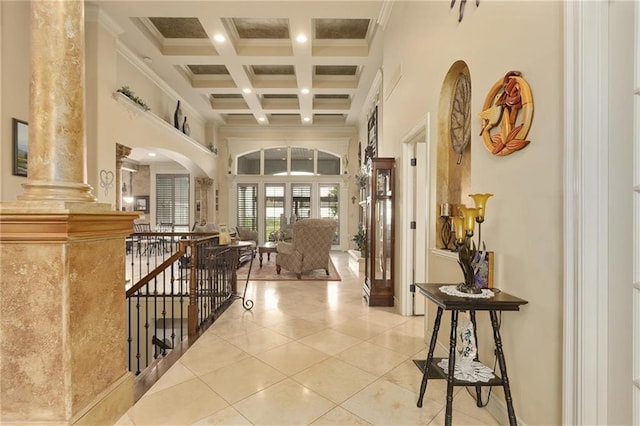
column 62, row 254
column 56, row 116
column 122, row 152
column 205, row 189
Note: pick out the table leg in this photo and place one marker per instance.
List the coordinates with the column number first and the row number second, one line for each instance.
column 472, row 314
column 260, row 259
column 269, row 256
column 432, row 346
column 448, row 417
column 503, row 368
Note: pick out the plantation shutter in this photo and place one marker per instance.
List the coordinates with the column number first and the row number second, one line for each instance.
column 248, row 206
column 172, row 200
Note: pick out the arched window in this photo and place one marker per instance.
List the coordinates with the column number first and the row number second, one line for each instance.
column 293, row 161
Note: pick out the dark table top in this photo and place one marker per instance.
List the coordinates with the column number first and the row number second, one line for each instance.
column 500, row 302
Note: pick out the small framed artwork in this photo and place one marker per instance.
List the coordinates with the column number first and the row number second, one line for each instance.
column 20, row 147
column 141, row 203
column 372, row 138
column 484, row 274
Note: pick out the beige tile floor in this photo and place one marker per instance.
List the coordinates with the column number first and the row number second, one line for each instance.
column 309, row 352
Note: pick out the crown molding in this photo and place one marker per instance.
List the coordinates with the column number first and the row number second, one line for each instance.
column 93, row 13
column 372, row 97
column 385, row 13
column 137, row 62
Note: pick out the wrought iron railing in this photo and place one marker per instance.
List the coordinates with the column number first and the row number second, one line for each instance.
column 177, row 285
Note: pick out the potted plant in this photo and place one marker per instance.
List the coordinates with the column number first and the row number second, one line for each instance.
column 361, row 241
column 361, row 178
column 129, row 94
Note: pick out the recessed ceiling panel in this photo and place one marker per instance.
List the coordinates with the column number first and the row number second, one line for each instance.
column 337, row 29
column 329, row 118
column 279, row 96
column 228, row 102
column 272, row 69
column 330, row 73
column 321, row 96
column 261, row 28
column 209, row 69
column 342, row 70
column 226, row 96
column 179, row 27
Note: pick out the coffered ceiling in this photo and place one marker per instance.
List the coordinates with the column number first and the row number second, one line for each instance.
column 261, row 62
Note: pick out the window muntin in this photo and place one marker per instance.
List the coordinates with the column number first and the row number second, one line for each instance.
column 328, row 164
column 295, row 161
column 249, row 164
column 275, row 161
column 301, row 161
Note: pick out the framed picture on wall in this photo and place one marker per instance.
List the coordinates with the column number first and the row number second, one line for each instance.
column 372, row 139
column 141, row 203
column 20, row 147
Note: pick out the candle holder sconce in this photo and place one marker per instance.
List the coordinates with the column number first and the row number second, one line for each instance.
column 470, row 258
column 445, row 231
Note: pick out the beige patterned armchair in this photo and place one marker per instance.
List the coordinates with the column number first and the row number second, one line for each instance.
column 309, row 248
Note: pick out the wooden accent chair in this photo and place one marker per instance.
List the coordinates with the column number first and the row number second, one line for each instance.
column 309, row 247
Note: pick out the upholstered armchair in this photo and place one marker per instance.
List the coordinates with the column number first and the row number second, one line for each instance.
column 309, row 247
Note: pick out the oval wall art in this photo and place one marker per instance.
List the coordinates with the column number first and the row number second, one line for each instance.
column 506, row 115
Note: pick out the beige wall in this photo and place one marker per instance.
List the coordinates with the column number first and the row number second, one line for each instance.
column 620, row 208
column 15, row 88
column 524, row 219
column 161, row 103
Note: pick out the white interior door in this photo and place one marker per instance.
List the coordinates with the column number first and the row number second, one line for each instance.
column 414, row 219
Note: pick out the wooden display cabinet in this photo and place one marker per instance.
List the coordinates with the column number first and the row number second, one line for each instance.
column 379, row 221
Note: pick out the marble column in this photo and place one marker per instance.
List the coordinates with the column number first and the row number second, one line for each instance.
column 57, row 163
column 205, row 189
column 62, row 254
column 122, row 152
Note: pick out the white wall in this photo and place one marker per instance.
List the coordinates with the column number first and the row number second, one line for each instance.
column 524, row 219
column 621, row 48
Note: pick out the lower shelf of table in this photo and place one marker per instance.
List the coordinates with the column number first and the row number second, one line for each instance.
column 436, row 372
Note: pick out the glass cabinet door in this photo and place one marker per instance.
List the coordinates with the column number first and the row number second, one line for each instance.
column 383, row 245
column 378, row 286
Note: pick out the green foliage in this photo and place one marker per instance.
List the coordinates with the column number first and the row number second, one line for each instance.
column 129, row 94
column 361, row 241
column 361, row 179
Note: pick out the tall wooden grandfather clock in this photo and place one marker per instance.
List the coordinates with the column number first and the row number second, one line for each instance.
column 380, row 232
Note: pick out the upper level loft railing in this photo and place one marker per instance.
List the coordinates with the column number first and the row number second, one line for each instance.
column 177, row 285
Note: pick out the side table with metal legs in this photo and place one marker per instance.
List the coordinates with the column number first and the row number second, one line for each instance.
column 430, row 370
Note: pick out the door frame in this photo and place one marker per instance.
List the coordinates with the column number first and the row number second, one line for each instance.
column 413, row 137
column 585, row 213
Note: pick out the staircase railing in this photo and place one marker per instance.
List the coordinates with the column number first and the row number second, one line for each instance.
column 177, row 285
